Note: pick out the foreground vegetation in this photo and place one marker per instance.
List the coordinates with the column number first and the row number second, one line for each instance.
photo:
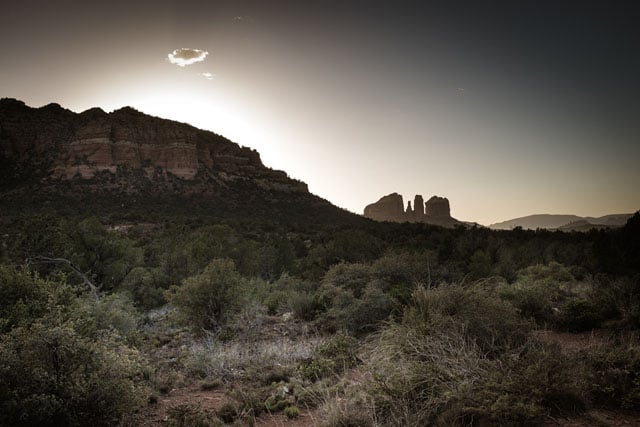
column 379, row 324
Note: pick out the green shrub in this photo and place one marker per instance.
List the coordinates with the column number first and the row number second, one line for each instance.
column 493, row 324
column 56, row 368
column 190, row 415
column 341, row 349
column 277, row 301
column 552, row 272
column 303, row 305
column 532, row 299
column 358, row 316
column 146, row 285
column 612, row 374
column 419, row 373
column 618, row 300
column 116, row 312
column 208, row 300
column 579, row 314
column 351, row 277
column 292, row 412
column 333, row 356
column 25, row 297
column 51, row 375
column 538, row 382
column 317, row 368
column 228, row 412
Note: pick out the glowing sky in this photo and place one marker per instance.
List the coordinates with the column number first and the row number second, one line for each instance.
column 508, row 108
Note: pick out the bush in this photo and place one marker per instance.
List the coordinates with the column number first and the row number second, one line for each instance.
column 228, row 412
column 540, row 381
column 55, row 367
column 612, row 374
column 115, row 312
column 419, row 374
column 352, row 277
column 25, row 297
column 317, row 368
column 333, row 356
column 146, row 285
column 533, row 300
column 341, row 349
column 619, row 300
column 209, row 299
column 292, row 412
column 579, row 314
column 51, row 375
column 189, row 415
column 303, row 305
column 494, row 325
column 358, row 316
column 460, row 356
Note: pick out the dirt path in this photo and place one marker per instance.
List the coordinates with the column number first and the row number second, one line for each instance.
column 570, row 342
column 156, row 414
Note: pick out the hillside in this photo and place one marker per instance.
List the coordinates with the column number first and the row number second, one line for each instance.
column 563, row 222
column 53, row 158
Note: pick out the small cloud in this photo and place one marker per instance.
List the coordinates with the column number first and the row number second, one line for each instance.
column 242, row 19
column 207, row 76
column 183, row 57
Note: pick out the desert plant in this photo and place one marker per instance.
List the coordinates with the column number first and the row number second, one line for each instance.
column 228, row 412
column 612, row 373
column 493, row 324
column 579, row 314
column 209, row 299
column 27, row 297
column 52, row 375
column 190, row 415
column 292, row 412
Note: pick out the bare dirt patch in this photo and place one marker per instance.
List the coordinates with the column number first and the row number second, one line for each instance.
column 156, row 414
column 572, row 342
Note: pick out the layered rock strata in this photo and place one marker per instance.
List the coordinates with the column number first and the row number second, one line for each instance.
column 55, row 144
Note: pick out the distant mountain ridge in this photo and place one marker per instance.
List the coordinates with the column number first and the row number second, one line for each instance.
column 563, row 222
column 51, row 156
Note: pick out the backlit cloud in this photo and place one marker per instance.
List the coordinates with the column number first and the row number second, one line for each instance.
column 183, row 57
column 207, row 76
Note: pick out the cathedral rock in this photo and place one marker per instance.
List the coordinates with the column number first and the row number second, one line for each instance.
column 435, row 211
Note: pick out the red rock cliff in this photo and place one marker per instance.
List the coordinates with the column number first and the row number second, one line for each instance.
column 57, row 144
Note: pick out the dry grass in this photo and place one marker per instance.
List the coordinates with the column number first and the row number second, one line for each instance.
column 230, row 360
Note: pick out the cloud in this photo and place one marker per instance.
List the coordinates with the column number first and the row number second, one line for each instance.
column 207, row 76
column 241, row 19
column 183, row 57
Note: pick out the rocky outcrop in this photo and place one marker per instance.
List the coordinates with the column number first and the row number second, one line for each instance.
column 437, row 207
column 54, row 144
column 389, row 208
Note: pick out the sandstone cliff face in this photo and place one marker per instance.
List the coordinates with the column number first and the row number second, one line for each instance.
column 54, row 144
column 437, row 207
column 390, row 208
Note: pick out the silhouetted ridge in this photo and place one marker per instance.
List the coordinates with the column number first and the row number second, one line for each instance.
column 53, row 151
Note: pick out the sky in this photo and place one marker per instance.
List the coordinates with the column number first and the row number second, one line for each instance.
column 507, row 108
